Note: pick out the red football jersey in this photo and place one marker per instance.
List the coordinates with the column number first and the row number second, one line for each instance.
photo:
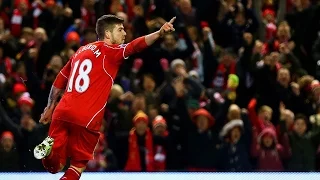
column 88, row 78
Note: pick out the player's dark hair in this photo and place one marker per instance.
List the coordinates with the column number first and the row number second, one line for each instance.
column 107, row 22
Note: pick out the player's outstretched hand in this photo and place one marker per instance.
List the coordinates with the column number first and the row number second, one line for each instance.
column 46, row 115
column 167, row 27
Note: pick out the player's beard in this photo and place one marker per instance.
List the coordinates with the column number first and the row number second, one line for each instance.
column 114, row 40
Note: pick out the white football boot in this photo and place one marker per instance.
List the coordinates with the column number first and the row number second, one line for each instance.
column 43, row 149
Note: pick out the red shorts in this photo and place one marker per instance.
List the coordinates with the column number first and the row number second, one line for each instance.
column 71, row 140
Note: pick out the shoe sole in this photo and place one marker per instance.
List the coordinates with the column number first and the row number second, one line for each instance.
column 41, row 151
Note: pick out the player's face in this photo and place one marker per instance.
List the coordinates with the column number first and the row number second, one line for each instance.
column 118, row 34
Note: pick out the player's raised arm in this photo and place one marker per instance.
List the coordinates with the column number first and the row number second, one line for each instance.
column 56, row 91
column 143, row 42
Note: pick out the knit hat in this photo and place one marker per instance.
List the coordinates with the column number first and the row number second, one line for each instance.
column 230, row 125
column 140, row 116
column 50, row 3
column 25, row 99
column 19, row 88
column 72, row 36
column 204, row 24
column 176, row 62
column 205, row 113
column 159, row 121
column 267, row 131
column 7, row 135
column 17, row 2
column 193, row 73
column 268, row 12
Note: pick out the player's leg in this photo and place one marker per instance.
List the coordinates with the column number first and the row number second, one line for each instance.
column 52, row 150
column 81, row 145
column 75, row 170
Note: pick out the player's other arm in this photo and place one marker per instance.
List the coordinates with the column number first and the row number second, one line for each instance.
column 59, row 85
column 56, row 91
column 143, row 42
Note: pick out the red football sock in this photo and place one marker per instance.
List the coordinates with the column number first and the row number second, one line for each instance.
column 52, row 163
column 71, row 174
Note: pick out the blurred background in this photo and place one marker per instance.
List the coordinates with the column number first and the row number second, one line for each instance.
column 234, row 88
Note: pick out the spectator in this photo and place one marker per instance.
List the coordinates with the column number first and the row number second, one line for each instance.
column 202, row 143
column 9, row 156
column 233, row 153
column 161, row 143
column 141, row 157
column 302, row 156
column 269, row 152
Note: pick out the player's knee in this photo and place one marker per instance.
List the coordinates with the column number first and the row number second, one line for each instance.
column 80, row 166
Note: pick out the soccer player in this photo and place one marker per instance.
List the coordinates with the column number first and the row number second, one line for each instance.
column 86, row 81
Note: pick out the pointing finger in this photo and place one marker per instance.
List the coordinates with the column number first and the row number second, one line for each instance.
column 172, row 20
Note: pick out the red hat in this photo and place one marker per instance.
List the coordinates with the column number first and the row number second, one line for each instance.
column 204, row 24
column 50, row 3
column 7, row 134
column 203, row 112
column 25, row 99
column 72, row 36
column 268, row 12
column 159, row 121
column 140, row 116
column 19, row 88
column 267, row 132
column 17, row 2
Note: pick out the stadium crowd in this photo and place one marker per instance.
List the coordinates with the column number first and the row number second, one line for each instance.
column 234, row 88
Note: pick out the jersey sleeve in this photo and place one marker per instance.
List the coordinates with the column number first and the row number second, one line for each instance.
column 63, row 76
column 123, row 51
column 134, row 46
